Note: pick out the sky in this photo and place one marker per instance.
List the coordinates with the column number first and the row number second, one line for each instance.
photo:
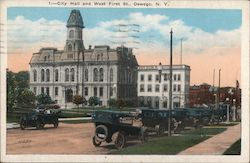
column 211, row 39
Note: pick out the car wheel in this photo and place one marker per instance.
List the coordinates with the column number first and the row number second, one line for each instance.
column 120, row 140
column 101, row 133
column 22, row 124
column 56, row 124
column 39, row 125
column 95, row 142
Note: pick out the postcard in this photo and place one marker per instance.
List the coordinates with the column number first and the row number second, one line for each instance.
column 124, row 81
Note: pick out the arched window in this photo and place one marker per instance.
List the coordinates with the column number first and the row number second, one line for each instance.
column 101, row 75
column 86, row 75
column 42, row 75
column 70, row 47
column 56, row 75
column 95, row 74
column 71, row 34
column 98, row 57
column 34, row 75
column 72, row 74
column 111, row 74
column 66, row 74
column 47, row 75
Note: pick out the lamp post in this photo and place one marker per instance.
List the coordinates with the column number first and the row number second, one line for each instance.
column 227, row 101
column 170, row 86
column 234, row 110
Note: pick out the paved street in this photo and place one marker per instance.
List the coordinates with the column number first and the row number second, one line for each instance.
column 216, row 145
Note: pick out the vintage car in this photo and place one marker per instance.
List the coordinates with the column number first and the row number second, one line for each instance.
column 38, row 119
column 107, row 123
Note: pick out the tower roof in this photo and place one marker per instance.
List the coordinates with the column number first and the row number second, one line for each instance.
column 75, row 19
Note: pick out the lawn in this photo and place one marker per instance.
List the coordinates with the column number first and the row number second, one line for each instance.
column 76, row 121
column 171, row 145
column 235, row 149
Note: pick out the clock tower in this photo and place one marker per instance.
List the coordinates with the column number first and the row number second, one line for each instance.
column 74, row 42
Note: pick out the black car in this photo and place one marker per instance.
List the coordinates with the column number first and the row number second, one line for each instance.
column 38, row 119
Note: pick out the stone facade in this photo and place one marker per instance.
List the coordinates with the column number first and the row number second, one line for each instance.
column 153, row 89
column 99, row 71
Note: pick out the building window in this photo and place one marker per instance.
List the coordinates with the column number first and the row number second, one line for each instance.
column 111, row 75
column 157, row 88
column 101, row 74
column 56, row 91
column 142, row 77
column 69, row 95
column 174, row 88
column 45, row 58
column 149, row 88
column 86, row 75
column 95, row 74
column 66, row 74
column 165, row 88
column 111, row 91
column 86, row 91
column 47, row 90
column 56, row 75
column 79, row 34
column 34, row 90
column 166, row 77
column 42, row 90
column 150, row 77
column 157, row 77
column 179, row 88
column 174, row 77
column 142, row 88
column 47, row 75
column 42, row 75
column 179, row 77
column 34, row 75
column 101, row 91
column 71, row 34
column 70, row 48
column 95, row 91
column 72, row 73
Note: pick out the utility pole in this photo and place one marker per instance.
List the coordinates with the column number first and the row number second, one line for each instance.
column 219, row 90
column 170, row 86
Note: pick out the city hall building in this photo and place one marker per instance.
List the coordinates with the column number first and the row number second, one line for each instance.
column 94, row 71
column 153, row 88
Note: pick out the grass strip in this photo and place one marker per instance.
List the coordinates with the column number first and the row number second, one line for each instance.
column 171, row 145
column 234, row 149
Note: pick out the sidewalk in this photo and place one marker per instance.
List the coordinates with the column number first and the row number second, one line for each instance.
column 216, row 145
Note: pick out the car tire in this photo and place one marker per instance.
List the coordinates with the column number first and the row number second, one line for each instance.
column 39, row 125
column 56, row 124
column 95, row 142
column 22, row 124
column 120, row 140
column 101, row 129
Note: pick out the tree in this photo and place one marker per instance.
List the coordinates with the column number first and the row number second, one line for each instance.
column 28, row 98
column 112, row 102
column 93, row 101
column 43, row 99
column 77, row 99
column 120, row 103
column 11, row 90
